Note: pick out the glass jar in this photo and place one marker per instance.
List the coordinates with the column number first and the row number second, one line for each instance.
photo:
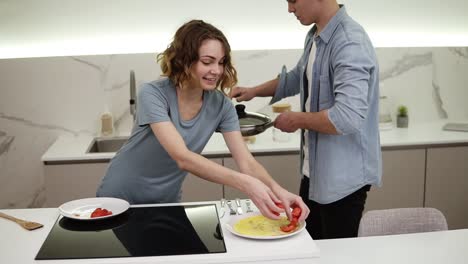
column 278, row 135
column 385, row 118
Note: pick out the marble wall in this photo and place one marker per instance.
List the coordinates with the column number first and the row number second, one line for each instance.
column 42, row 98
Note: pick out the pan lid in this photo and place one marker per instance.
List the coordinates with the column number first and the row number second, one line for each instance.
column 249, row 119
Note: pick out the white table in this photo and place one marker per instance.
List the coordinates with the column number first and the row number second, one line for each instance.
column 448, row 247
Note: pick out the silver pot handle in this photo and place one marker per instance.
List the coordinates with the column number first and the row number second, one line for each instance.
column 268, row 125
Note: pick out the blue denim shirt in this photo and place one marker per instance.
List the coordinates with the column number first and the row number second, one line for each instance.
column 345, row 80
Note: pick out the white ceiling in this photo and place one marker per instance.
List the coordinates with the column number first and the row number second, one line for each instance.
column 32, row 28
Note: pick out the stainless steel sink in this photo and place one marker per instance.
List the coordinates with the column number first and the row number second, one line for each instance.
column 100, row 145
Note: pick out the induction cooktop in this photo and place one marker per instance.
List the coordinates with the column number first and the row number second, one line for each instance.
column 139, row 232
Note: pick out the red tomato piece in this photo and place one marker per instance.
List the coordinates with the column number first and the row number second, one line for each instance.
column 296, row 212
column 99, row 212
column 287, row 228
column 95, row 214
column 294, row 221
column 107, row 212
column 292, row 225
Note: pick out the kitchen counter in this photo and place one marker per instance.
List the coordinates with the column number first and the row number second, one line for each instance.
column 68, row 148
column 21, row 246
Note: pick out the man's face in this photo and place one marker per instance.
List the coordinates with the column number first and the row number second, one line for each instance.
column 306, row 11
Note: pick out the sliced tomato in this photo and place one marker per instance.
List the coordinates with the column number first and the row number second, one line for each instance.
column 99, row 212
column 296, row 212
column 96, row 213
column 287, row 228
column 294, row 221
column 292, row 225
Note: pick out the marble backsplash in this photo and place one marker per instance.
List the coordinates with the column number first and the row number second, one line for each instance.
column 42, row 98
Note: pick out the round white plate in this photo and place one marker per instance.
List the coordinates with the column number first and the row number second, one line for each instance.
column 82, row 209
column 235, row 218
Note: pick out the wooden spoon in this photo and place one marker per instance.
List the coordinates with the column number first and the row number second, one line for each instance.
column 25, row 224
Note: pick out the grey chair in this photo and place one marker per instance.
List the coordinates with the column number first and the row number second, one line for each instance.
column 401, row 221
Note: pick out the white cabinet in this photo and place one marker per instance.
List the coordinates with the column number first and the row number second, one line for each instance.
column 283, row 168
column 447, row 184
column 68, row 182
column 197, row 189
column 422, row 177
column 403, row 180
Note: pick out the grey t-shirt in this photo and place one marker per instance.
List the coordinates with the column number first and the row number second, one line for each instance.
column 142, row 171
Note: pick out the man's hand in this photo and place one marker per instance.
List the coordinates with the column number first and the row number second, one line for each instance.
column 288, row 121
column 242, row 93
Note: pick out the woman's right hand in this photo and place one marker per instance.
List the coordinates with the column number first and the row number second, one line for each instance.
column 263, row 198
column 242, row 93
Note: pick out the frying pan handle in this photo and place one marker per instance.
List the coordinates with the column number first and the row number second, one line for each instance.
column 268, row 125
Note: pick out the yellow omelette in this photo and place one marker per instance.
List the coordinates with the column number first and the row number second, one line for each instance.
column 259, row 225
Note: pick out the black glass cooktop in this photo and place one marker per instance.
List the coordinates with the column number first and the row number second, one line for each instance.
column 139, row 232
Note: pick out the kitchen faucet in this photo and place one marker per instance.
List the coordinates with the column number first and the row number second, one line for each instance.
column 132, row 95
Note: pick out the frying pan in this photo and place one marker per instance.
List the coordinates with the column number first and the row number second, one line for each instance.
column 252, row 123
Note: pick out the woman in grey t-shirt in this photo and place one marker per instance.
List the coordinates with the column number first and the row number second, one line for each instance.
column 176, row 117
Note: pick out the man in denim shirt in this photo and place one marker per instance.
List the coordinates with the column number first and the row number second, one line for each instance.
column 338, row 81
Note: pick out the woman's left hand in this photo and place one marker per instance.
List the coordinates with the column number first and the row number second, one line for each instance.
column 290, row 200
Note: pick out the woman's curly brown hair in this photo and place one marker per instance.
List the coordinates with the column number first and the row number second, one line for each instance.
column 180, row 56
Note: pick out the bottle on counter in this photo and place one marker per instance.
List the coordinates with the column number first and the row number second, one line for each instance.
column 385, row 118
column 107, row 124
column 278, row 135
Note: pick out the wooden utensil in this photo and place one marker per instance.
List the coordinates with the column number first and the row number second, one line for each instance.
column 25, row 224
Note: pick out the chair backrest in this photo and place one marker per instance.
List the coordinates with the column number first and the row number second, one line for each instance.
column 401, row 221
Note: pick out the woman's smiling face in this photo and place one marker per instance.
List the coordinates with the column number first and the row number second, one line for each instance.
column 209, row 68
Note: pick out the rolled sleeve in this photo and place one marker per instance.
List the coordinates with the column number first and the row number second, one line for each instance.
column 353, row 67
column 288, row 85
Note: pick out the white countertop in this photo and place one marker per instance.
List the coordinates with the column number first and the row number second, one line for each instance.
column 20, row 246
column 442, row 247
column 69, row 148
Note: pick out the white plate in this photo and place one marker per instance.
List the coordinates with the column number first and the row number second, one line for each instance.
column 82, row 209
column 235, row 218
